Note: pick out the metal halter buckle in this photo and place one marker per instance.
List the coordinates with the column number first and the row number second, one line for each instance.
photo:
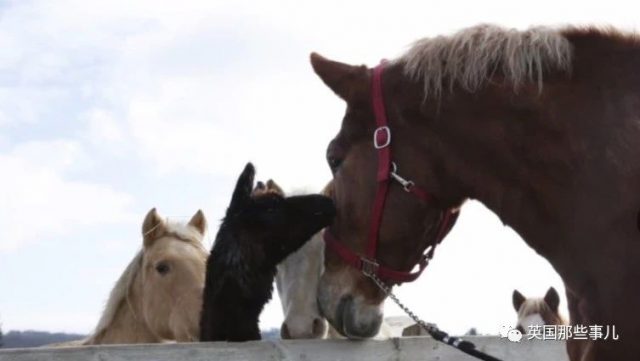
column 406, row 184
column 387, row 132
column 369, row 267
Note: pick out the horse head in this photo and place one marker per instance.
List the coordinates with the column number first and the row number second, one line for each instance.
column 173, row 270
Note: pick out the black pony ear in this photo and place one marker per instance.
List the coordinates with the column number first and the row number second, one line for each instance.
column 274, row 187
column 242, row 193
column 552, row 299
column 518, row 299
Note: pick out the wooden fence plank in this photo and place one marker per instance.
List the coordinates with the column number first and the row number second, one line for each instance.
column 396, row 349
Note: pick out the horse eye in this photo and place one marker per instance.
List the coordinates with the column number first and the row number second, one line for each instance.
column 335, row 155
column 163, row 268
column 334, row 163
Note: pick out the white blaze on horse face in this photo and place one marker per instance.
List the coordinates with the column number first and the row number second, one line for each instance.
column 297, row 283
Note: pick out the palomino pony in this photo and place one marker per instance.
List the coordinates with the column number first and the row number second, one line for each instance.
column 542, row 126
column 159, row 295
column 537, row 311
column 260, row 229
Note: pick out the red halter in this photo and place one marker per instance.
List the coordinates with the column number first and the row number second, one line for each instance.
column 387, row 170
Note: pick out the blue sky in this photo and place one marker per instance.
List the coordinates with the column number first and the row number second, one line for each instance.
column 110, row 108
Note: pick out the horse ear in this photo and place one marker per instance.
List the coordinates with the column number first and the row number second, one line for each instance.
column 259, row 190
column 242, row 192
column 349, row 82
column 274, row 187
column 199, row 222
column 152, row 227
column 518, row 300
column 552, row 299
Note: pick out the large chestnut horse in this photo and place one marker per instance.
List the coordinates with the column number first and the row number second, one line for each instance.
column 542, row 126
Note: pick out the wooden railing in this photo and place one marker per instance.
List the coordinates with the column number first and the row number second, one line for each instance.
column 396, row 349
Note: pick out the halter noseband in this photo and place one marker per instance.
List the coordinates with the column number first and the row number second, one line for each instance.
column 387, row 171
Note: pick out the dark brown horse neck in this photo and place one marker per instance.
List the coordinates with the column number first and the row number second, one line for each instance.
column 560, row 165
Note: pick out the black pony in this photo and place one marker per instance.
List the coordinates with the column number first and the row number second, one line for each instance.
column 261, row 228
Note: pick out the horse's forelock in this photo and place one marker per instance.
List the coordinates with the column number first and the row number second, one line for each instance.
column 185, row 233
column 539, row 306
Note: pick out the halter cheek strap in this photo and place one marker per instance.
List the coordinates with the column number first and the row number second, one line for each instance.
column 387, row 171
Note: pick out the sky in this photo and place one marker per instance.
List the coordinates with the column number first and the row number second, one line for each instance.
column 108, row 109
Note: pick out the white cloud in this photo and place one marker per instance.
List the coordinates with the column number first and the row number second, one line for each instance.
column 103, row 128
column 38, row 203
column 174, row 130
column 23, row 104
column 188, row 125
column 56, row 155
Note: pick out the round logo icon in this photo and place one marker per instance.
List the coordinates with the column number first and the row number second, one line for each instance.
column 514, row 335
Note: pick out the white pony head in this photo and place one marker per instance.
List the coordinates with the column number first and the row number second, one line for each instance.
column 297, row 283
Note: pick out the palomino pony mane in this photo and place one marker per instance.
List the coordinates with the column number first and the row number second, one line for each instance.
column 471, row 56
column 120, row 293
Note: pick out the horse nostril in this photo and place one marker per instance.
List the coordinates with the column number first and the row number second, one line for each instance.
column 284, row 332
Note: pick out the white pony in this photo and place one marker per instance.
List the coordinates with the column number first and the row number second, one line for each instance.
column 297, row 284
column 297, row 281
column 159, row 296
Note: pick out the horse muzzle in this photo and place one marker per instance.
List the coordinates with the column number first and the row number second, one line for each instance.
column 311, row 328
column 357, row 321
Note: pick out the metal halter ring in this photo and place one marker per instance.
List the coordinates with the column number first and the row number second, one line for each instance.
column 387, row 132
column 369, row 267
column 406, row 184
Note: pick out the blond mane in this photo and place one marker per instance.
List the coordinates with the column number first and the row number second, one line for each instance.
column 119, row 294
column 539, row 306
column 471, row 56
column 122, row 289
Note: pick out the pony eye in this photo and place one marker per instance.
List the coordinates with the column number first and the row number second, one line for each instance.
column 163, row 268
